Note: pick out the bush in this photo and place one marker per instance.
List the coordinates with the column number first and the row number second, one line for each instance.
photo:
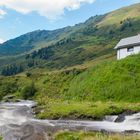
column 28, row 74
column 7, row 88
column 28, row 91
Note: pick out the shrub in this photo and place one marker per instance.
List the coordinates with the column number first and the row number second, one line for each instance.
column 28, row 91
column 28, row 74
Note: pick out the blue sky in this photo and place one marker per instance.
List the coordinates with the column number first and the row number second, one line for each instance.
column 18, row 17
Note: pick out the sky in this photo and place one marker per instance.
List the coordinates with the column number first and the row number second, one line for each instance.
column 21, row 16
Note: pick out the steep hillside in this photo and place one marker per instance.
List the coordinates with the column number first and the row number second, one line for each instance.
column 42, row 38
column 114, row 81
column 107, row 88
column 84, row 43
column 119, row 15
column 33, row 40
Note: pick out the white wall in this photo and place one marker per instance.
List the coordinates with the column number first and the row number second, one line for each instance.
column 122, row 53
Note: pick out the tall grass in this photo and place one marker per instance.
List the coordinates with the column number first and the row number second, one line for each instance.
column 115, row 81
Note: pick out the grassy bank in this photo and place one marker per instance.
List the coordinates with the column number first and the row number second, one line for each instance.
column 83, row 110
column 114, row 81
column 107, row 88
column 93, row 136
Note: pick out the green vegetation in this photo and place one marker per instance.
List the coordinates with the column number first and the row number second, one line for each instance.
column 114, row 81
column 93, row 136
column 11, row 70
column 28, row 91
column 71, row 72
column 83, row 43
column 107, row 88
column 7, row 86
column 82, row 110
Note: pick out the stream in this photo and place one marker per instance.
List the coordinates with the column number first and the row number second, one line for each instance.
column 17, row 122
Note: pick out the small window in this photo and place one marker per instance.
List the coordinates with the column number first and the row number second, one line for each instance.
column 130, row 49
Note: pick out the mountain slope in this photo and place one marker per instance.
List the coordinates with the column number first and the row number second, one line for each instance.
column 29, row 41
column 83, row 43
column 107, row 88
column 43, row 38
column 119, row 15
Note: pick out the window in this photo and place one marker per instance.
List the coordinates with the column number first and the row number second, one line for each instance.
column 130, row 49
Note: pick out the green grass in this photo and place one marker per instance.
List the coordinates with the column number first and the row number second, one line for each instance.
column 90, row 84
column 82, row 110
column 107, row 88
column 114, row 81
column 93, row 136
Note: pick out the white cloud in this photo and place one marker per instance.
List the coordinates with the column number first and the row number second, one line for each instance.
column 2, row 13
column 1, row 41
column 48, row 8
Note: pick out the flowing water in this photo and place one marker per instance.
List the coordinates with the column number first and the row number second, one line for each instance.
column 17, row 122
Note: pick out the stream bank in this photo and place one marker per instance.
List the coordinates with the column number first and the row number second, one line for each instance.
column 18, row 122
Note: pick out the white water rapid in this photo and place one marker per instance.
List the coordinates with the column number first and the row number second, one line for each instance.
column 17, row 122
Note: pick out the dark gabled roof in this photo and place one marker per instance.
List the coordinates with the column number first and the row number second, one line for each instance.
column 128, row 42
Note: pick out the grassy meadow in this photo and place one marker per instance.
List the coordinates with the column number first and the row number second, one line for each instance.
column 107, row 88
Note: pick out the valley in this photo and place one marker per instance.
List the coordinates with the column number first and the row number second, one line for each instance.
column 87, row 42
column 73, row 73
